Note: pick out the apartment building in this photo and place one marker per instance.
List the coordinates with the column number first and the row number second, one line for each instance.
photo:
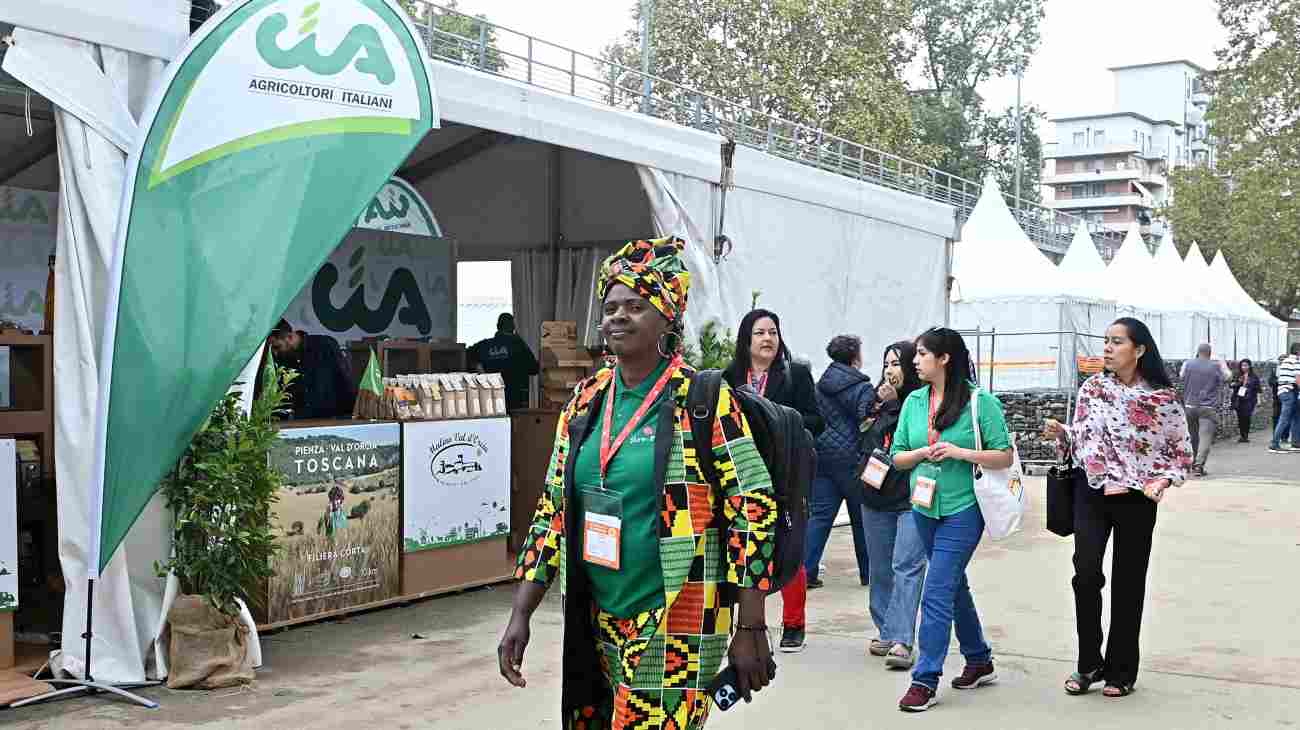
column 1112, row 168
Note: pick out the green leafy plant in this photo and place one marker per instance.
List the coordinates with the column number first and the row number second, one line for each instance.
column 221, row 494
column 713, row 351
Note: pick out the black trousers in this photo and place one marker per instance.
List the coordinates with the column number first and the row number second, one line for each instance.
column 1243, row 421
column 1132, row 517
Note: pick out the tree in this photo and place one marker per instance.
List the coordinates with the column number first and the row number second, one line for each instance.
column 1248, row 206
column 455, row 36
column 961, row 44
column 826, row 64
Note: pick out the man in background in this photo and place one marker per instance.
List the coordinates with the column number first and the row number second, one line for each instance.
column 1203, row 381
column 324, row 387
column 1288, row 422
column 507, row 354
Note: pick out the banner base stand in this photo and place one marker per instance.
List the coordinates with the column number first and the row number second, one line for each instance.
column 80, row 685
column 89, row 685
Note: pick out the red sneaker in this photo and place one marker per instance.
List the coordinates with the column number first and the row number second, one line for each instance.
column 975, row 676
column 918, row 699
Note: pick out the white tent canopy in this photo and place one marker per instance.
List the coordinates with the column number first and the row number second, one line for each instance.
column 1083, row 273
column 1273, row 334
column 1005, row 284
column 1232, row 335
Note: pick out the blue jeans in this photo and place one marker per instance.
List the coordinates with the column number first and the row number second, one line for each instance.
column 1288, row 421
column 897, row 572
column 949, row 543
column 834, row 485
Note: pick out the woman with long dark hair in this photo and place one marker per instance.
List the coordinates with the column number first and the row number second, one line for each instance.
column 1129, row 434
column 894, row 548
column 1245, row 397
column 762, row 361
column 935, row 439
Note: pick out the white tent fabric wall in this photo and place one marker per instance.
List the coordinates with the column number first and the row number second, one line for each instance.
column 99, row 93
column 537, row 298
column 854, row 283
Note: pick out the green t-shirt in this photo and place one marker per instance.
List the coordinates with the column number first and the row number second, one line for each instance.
column 956, row 479
column 639, row 585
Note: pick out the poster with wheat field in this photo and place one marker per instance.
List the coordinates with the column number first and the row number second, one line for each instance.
column 337, row 519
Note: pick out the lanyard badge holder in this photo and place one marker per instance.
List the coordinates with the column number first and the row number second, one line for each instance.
column 926, row 474
column 603, row 521
column 877, row 468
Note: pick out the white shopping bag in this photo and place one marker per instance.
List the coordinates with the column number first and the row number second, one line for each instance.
column 1000, row 492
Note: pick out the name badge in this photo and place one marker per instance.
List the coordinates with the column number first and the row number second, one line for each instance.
column 877, row 469
column 602, row 529
column 923, row 492
column 1241, row 392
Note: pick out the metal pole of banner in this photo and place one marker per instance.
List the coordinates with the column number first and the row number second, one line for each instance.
column 1019, row 76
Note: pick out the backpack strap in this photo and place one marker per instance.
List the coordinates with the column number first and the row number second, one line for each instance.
column 702, row 407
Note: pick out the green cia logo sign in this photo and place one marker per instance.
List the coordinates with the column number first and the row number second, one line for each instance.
column 362, row 39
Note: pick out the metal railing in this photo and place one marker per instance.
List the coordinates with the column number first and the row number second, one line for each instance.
column 511, row 54
column 508, row 53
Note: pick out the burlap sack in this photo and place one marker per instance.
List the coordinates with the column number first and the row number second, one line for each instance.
column 207, row 649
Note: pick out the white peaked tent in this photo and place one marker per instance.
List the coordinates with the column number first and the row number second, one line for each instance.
column 1083, row 276
column 1128, row 284
column 1233, row 334
column 1188, row 315
column 1272, row 336
column 1004, row 283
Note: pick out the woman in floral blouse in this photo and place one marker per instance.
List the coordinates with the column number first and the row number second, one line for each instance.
column 1130, row 437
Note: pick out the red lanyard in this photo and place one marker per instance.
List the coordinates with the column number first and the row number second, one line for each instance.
column 934, row 409
column 760, row 385
column 607, row 450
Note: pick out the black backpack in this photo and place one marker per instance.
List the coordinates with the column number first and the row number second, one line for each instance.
column 787, row 449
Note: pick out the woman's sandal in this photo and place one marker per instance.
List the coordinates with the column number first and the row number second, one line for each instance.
column 1082, row 682
column 1115, row 691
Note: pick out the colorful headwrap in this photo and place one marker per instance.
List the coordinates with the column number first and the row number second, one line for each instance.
column 654, row 270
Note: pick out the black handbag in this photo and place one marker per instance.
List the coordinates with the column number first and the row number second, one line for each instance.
column 1062, row 480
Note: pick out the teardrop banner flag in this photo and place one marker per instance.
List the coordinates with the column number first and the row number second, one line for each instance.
column 276, row 125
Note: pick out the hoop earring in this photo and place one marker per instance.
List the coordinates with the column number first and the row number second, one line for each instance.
column 665, row 351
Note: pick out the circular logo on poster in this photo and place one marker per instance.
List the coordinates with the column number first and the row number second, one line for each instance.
column 457, row 461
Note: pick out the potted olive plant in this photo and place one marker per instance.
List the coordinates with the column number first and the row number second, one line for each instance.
column 221, row 495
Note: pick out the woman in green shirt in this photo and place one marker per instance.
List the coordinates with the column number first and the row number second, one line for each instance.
column 653, row 560
column 935, row 438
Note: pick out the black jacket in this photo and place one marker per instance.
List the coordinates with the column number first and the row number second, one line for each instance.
column 1251, row 398
column 324, row 387
column 508, row 354
column 845, row 397
column 790, row 384
column 895, row 493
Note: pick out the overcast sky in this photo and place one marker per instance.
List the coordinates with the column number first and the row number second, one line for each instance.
column 1067, row 76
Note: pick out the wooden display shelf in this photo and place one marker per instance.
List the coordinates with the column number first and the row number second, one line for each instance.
column 407, row 357
column 31, row 375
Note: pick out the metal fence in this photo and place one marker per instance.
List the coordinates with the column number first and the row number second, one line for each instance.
column 1063, row 359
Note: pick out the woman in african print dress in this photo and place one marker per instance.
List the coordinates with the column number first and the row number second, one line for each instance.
column 652, row 558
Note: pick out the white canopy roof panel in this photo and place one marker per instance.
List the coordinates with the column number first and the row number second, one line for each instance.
column 1174, row 291
column 995, row 260
column 1201, row 283
column 1130, row 274
column 1083, row 273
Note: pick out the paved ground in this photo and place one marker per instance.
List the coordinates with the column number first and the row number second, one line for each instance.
column 1221, row 645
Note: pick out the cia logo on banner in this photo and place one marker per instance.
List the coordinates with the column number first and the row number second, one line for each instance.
column 457, row 460
column 306, row 68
